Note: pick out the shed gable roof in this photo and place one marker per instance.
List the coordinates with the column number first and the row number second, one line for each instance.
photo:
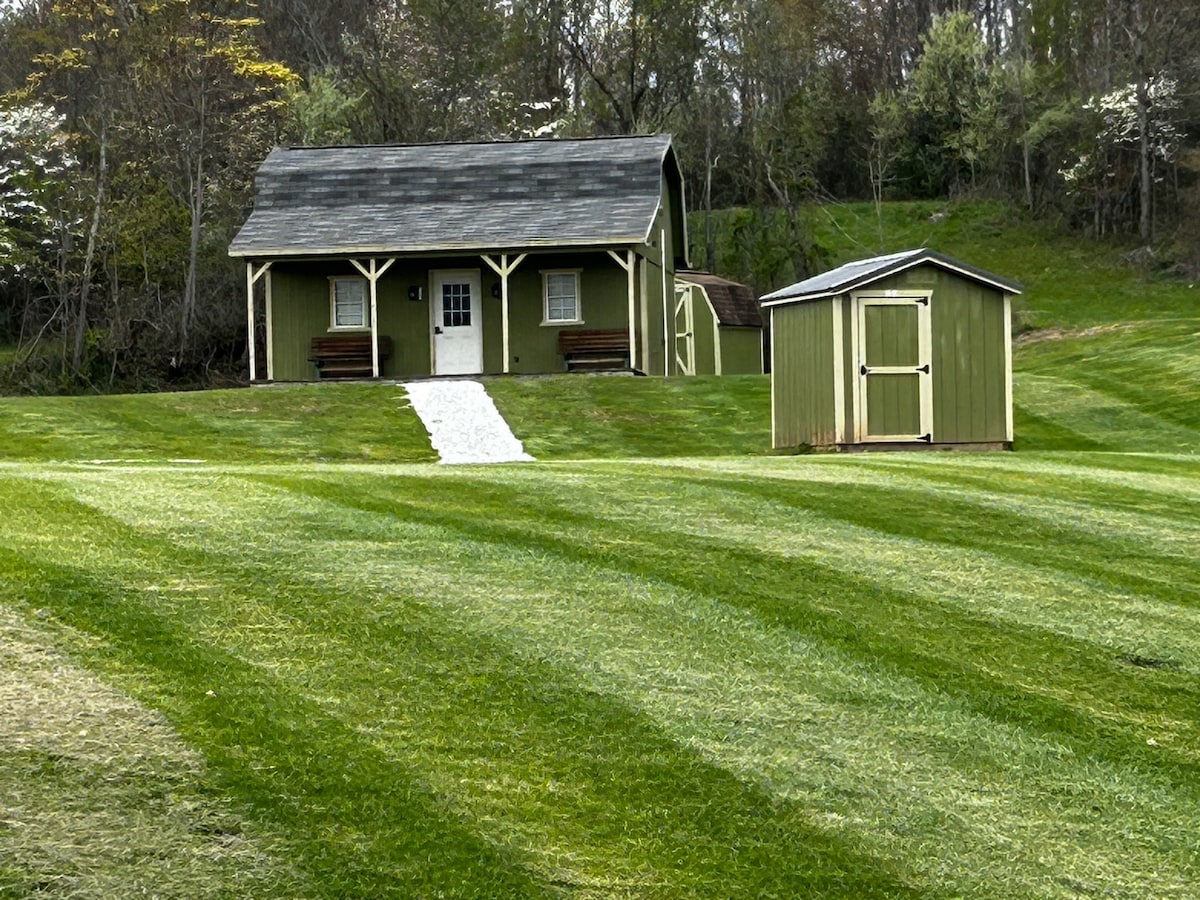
column 865, row 271
column 430, row 197
column 734, row 303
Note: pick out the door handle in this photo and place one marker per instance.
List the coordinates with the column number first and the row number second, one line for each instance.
column 437, row 329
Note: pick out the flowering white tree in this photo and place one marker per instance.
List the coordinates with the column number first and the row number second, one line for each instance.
column 36, row 171
column 1137, row 137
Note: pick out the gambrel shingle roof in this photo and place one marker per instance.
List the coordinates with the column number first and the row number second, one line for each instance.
column 314, row 201
column 865, row 271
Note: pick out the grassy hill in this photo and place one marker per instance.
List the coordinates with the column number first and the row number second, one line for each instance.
column 252, row 644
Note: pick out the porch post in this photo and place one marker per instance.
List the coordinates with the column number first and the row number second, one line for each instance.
column 270, row 325
column 373, row 272
column 630, row 260
column 374, row 281
column 629, row 264
column 252, row 277
column 504, row 269
column 250, row 313
column 662, row 248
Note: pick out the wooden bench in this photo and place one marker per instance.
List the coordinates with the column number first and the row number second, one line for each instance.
column 590, row 350
column 347, row 355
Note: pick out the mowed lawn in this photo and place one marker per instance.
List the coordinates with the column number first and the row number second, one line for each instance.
column 873, row 676
column 253, row 644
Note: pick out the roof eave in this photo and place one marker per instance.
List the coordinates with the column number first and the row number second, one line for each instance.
column 1006, row 287
column 383, row 250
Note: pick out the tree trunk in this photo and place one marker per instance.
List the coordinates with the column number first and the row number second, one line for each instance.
column 89, row 256
column 1145, row 165
column 196, row 202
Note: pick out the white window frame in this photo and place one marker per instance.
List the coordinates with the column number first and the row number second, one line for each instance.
column 366, row 303
column 576, row 274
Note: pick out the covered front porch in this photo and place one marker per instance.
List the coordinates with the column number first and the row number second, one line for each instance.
column 408, row 315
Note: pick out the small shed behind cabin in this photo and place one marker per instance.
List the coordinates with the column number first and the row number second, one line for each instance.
column 718, row 326
column 912, row 349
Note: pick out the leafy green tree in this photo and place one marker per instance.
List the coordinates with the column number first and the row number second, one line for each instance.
column 958, row 96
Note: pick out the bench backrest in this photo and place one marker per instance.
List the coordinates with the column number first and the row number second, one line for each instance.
column 593, row 340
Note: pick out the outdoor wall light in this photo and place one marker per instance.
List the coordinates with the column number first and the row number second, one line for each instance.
column 496, row 289
column 416, row 293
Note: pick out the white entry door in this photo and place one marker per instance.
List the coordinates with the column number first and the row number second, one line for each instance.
column 457, row 325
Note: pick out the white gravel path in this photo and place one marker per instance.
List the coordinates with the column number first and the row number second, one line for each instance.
column 463, row 423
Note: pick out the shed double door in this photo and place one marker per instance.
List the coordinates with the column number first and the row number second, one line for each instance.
column 685, row 330
column 893, row 369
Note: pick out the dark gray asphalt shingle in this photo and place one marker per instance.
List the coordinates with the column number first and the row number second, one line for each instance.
column 864, row 271
column 332, row 200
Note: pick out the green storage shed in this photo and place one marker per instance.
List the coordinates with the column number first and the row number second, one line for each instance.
column 909, row 350
column 718, row 327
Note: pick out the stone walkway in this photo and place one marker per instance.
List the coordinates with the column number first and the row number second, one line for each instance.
column 463, row 423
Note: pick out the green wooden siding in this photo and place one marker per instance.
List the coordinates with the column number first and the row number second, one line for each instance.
column 892, row 337
column 893, row 404
column 849, row 375
column 802, row 377
column 533, row 347
column 968, row 362
column 300, row 311
column 660, row 305
column 705, row 328
column 741, row 350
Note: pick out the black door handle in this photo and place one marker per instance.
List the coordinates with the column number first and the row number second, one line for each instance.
column 437, row 330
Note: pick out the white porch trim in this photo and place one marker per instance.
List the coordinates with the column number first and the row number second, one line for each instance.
column 628, row 264
column 504, row 268
column 252, row 277
column 373, row 272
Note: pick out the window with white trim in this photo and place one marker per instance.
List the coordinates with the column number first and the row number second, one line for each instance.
column 560, row 294
column 348, row 308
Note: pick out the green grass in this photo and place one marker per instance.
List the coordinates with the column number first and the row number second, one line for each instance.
column 878, row 676
column 253, row 645
column 306, row 422
column 615, row 418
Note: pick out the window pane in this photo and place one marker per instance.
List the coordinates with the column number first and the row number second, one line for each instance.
column 562, row 297
column 349, row 303
column 456, row 305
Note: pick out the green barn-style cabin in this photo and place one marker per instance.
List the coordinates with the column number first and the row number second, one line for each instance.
column 461, row 259
column 909, row 350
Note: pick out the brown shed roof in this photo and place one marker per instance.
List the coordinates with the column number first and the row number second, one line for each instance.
column 733, row 303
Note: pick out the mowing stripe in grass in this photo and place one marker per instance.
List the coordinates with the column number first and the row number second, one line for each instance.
column 686, row 708
column 598, row 776
column 1036, row 430
column 357, row 821
column 469, row 503
column 100, row 798
column 1069, row 553
column 1113, row 421
column 694, row 549
column 1075, row 494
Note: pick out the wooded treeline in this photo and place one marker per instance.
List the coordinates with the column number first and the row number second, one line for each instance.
column 130, row 131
